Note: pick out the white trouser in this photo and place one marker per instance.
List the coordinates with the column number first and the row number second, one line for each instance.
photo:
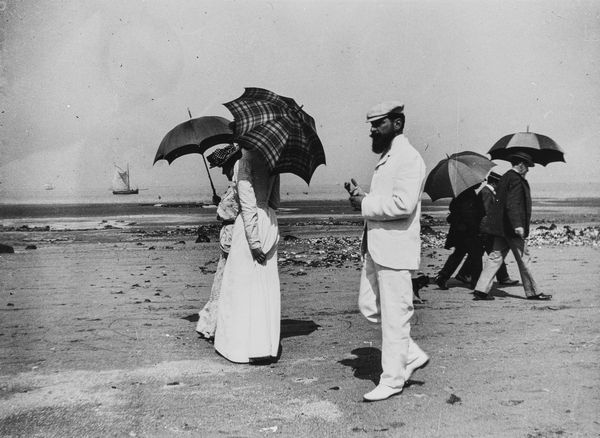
column 385, row 297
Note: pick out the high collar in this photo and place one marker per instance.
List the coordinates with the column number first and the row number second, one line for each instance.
column 521, row 176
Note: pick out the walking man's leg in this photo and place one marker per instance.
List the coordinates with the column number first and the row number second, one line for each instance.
column 400, row 355
column 491, row 264
column 450, row 266
column 368, row 293
column 518, row 247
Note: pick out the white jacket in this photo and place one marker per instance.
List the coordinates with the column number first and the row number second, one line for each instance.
column 392, row 208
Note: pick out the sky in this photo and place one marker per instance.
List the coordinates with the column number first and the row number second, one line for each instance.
column 88, row 84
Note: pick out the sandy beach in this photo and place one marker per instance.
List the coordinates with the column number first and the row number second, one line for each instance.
column 97, row 333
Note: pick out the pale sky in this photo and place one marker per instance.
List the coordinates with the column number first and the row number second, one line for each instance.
column 85, row 84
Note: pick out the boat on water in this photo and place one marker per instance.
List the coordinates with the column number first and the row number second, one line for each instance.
column 121, row 183
column 49, row 186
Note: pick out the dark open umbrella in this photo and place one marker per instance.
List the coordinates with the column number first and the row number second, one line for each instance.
column 542, row 149
column 280, row 129
column 195, row 136
column 456, row 173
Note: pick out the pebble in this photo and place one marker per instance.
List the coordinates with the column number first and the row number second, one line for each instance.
column 338, row 251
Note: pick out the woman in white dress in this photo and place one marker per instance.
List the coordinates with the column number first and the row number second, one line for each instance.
column 248, row 322
column 227, row 210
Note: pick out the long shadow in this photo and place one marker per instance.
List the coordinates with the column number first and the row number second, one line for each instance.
column 500, row 293
column 192, row 318
column 297, row 327
column 289, row 327
column 366, row 365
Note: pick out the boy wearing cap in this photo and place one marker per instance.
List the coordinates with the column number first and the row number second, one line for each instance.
column 509, row 224
column 391, row 246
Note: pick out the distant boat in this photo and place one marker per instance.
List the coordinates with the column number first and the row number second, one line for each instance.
column 49, row 186
column 121, row 184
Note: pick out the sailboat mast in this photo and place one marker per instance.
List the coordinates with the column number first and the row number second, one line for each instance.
column 122, row 182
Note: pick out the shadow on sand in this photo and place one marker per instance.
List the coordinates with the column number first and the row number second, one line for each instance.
column 191, row 318
column 367, row 365
column 297, row 327
column 289, row 327
column 499, row 293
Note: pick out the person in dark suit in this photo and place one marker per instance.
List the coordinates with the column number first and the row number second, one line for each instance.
column 467, row 274
column 509, row 224
column 466, row 211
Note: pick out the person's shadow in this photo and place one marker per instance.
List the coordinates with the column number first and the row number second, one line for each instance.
column 191, row 318
column 289, row 327
column 501, row 293
column 495, row 292
column 367, row 365
column 297, row 327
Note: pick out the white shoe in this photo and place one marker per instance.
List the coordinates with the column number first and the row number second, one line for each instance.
column 381, row 392
column 420, row 362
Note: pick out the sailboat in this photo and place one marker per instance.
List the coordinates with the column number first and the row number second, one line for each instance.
column 49, row 186
column 120, row 182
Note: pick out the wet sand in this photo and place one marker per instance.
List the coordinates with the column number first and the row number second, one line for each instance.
column 97, row 338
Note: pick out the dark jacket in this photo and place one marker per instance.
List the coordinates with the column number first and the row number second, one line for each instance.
column 466, row 211
column 489, row 201
column 513, row 209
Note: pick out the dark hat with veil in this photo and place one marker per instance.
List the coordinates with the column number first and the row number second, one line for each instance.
column 221, row 156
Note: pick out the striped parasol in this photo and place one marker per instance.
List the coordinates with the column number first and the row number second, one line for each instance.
column 456, row 173
column 542, row 149
column 280, row 129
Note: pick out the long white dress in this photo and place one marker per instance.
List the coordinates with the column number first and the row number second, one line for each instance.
column 227, row 210
column 248, row 322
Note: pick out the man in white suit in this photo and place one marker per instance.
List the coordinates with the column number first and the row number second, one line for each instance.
column 391, row 246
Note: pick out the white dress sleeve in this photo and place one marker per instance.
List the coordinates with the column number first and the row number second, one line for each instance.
column 275, row 199
column 249, row 210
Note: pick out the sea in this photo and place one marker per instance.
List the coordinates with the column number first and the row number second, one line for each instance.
column 167, row 194
column 33, row 206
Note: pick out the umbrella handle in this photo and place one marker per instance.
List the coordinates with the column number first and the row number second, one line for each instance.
column 206, row 165
column 209, row 178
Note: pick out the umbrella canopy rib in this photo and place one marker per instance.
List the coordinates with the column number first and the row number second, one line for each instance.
column 279, row 129
column 541, row 148
column 456, row 173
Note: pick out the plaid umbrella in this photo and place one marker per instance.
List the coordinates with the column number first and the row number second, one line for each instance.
column 456, row 173
column 280, row 129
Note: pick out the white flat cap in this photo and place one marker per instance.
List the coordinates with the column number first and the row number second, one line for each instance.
column 382, row 109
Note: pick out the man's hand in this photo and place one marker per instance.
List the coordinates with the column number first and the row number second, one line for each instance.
column 216, row 199
column 353, row 188
column 520, row 231
column 356, row 201
column 258, row 255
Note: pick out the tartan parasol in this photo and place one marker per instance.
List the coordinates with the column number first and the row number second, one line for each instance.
column 280, row 129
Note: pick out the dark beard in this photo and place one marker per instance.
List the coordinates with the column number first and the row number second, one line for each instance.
column 381, row 142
